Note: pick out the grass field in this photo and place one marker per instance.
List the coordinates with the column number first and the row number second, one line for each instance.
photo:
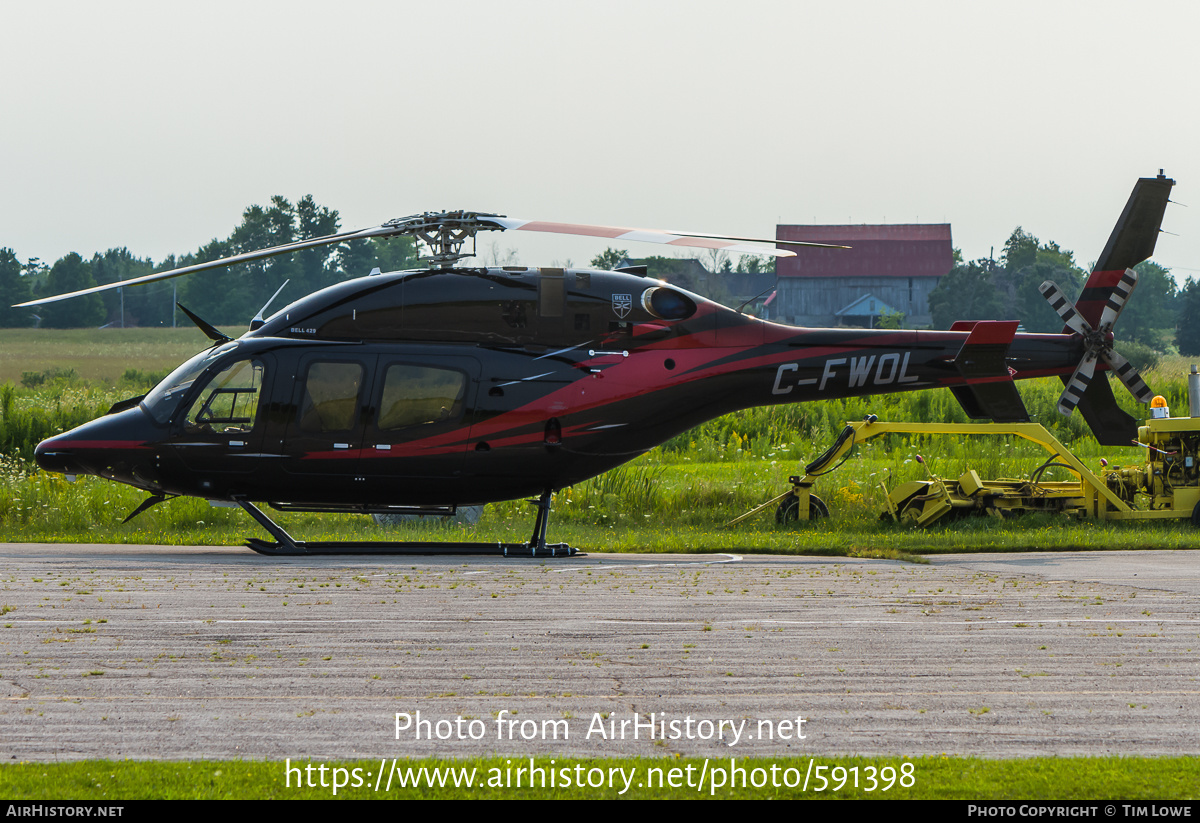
column 686, row 514
column 97, row 355
column 676, row 498
column 494, row 778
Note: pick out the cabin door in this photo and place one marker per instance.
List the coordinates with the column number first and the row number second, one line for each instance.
column 418, row 428
column 326, row 427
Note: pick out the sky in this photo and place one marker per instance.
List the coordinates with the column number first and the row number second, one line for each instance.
column 152, row 125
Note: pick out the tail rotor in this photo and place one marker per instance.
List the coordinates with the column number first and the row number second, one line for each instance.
column 1098, row 342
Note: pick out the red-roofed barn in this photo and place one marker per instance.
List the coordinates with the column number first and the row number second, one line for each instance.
column 887, row 269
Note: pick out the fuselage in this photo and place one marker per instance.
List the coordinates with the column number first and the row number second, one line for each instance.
column 467, row 386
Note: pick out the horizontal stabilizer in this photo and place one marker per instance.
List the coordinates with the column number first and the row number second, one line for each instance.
column 990, row 392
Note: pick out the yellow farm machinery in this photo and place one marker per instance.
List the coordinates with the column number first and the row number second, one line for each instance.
column 1165, row 486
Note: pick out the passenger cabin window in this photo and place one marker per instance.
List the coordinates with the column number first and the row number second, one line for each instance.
column 229, row 403
column 417, row 395
column 330, row 402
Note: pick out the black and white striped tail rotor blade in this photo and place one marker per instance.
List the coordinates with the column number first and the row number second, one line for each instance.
column 1059, row 302
column 1129, row 376
column 1078, row 384
column 1116, row 300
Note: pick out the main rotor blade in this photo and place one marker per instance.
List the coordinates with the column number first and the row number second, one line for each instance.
column 1116, row 300
column 1129, row 376
column 1059, row 302
column 375, row 231
column 1077, row 385
column 445, row 231
column 669, row 238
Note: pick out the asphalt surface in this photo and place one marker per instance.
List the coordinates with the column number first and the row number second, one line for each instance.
column 167, row 652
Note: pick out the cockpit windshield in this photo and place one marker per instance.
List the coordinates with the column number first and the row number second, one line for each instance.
column 162, row 401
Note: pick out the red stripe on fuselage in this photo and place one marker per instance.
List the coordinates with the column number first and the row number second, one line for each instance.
column 696, row 357
column 643, row 371
column 58, row 443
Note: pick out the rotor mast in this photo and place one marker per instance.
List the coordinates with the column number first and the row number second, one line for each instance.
column 445, row 233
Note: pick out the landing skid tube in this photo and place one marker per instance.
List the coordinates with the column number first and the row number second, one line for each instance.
column 286, row 546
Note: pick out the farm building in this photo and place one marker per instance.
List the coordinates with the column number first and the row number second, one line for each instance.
column 889, row 268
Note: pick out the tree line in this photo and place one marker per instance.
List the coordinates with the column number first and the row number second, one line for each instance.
column 229, row 296
column 1156, row 315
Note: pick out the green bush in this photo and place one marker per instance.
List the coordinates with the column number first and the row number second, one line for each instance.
column 1140, row 355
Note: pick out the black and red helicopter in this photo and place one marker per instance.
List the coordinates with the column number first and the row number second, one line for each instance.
column 420, row 391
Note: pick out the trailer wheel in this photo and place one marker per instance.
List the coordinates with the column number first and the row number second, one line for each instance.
column 1196, row 516
column 788, row 513
column 911, row 513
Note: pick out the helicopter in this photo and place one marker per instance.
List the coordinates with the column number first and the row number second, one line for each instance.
column 422, row 391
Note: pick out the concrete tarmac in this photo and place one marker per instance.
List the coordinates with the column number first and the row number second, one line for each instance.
column 198, row 652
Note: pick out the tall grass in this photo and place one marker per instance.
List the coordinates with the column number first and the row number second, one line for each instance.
column 805, row 429
column 54, row 401
column 692, row 484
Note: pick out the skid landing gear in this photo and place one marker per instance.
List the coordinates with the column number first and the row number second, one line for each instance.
column 286, row 546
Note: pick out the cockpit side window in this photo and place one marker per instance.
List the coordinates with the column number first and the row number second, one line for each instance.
column 228, row 404
column 164, row 398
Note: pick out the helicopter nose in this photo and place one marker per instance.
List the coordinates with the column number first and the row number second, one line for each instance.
column 82, row 450
column 95, row 447
column 56, row 454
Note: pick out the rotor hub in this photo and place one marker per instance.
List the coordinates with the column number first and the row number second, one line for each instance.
column 445, row 233
column 1098, row 341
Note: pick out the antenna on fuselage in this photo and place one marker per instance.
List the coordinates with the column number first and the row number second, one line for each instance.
column 258, row 321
